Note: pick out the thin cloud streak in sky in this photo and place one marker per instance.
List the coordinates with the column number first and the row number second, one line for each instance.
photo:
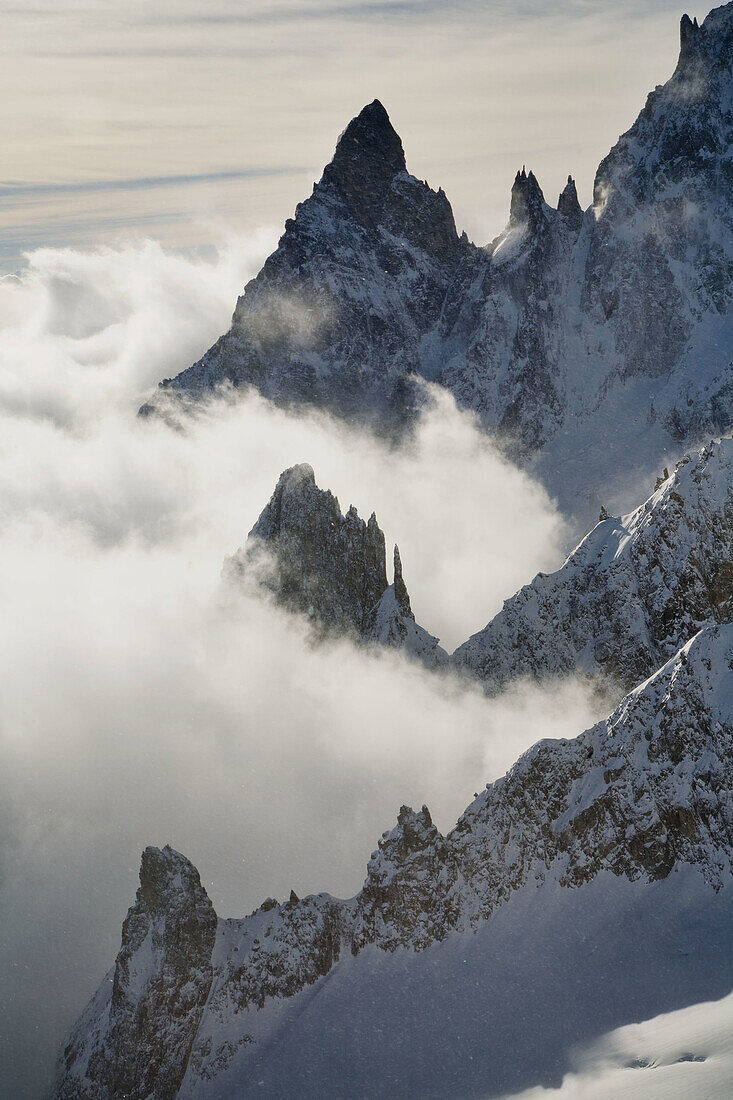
column 16, row 188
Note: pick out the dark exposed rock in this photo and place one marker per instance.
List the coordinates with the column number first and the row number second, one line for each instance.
column 154, row 1001
column 368, row 156
column 314, row 559
column 527, row 205
column 327, row 321
column 400, row 591
column 569, row 206
column 330, row 567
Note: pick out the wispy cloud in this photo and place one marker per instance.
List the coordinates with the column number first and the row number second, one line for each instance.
column 13, row 188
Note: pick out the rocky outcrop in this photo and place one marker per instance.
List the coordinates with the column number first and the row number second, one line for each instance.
column 590, row 344
column 330, row 567
column 642, row 792
column 337, row 315
column 136, row 1038
column 635, row 590
column 569, row 206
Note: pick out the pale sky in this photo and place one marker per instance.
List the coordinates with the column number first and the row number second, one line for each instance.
column 184, row 119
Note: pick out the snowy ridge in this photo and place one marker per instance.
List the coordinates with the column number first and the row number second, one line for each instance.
column 644, row 792
column 595, row 345
column 330, row 567
column 634, row 591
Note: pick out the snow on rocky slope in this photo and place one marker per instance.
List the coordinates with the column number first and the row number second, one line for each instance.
column 331, row 568
column 337, row 314
column 595, row 344
column 578, row 833
column 635, row 590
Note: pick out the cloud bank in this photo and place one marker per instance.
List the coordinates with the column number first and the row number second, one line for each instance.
column 142, row 703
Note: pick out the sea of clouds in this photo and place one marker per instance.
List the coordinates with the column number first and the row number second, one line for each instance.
column 142, row 703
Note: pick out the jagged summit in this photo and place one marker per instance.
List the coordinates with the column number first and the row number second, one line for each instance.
column 685, row 130
column 569, row 206
column 313, row 559
column 330, row 304
column 368, row 156
column 689, row 37
column 330, row 567
column 527, row 201
column 164, row 872
column 709, row 41
column 154, row 1001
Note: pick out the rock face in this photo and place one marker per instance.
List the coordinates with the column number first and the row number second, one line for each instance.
column 593, row 344
column 632, row 593
column 637, row 795
column 330, row 567
column 136, row 1037
column 337, row 314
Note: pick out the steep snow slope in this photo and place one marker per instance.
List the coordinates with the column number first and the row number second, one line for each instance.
column 330, row 567
column 590, row 857
column 632, row 593
column 681, row 1055
column 594, row 344
column 484, row 1014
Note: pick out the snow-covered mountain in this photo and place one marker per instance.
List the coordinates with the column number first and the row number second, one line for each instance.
column 591, row 886
column 594, row 344
column 635, row 590
column 200, row 1008
column 330, row 567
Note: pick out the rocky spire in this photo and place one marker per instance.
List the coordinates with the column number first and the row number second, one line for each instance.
column 689, row 37
column 709, row 42
column 162, row 978
column 568, row 205
column 527, row 203
column 330, row 567
column 314, row 559
column 400, row 588
column 368, row 156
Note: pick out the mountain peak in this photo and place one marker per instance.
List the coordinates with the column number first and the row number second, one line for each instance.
column 710, row 40
column 400, row 589
column 324, row 564
column 330, row 567
column 368, row 156
column 165, row 874
column 527, row 199
column 691, row 35
column 568, row 205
